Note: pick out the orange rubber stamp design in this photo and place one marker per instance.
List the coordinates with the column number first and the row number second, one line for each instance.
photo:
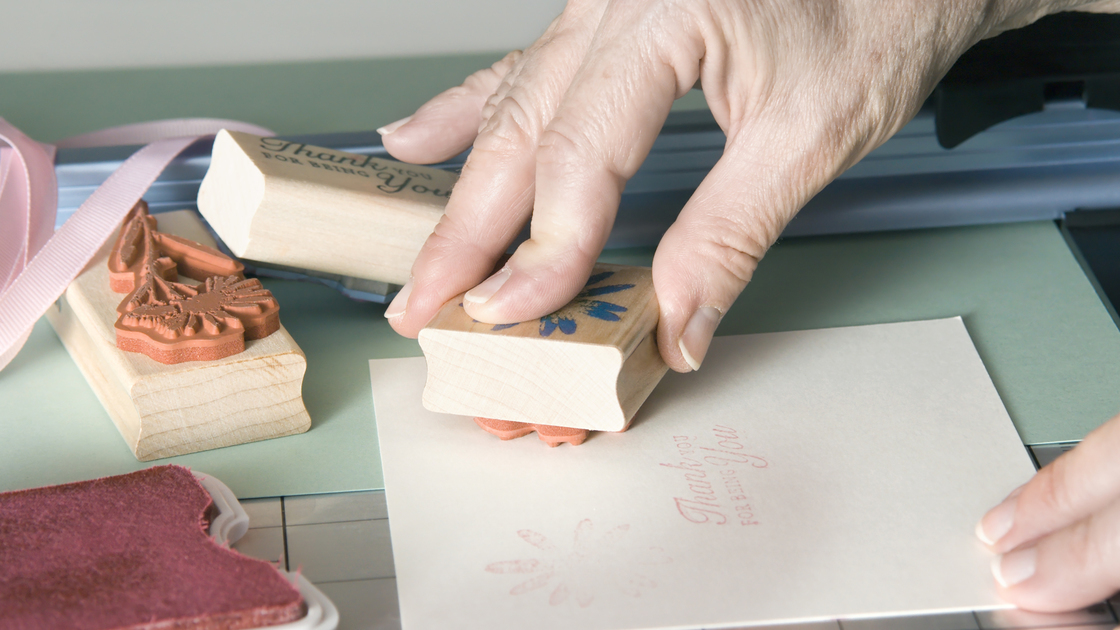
column 173, row 322
column 553, row 436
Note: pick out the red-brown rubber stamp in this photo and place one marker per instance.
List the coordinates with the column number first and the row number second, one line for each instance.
column 171, row 321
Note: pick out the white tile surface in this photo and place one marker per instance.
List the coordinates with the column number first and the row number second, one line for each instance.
column 365, row 604
column 1015, row 618
column 263, row 543
column 955, row 621
column 330, row 552
column 263, row 512
column 335, row 508
column 341, row 541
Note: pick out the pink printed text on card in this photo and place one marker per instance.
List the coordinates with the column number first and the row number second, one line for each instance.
column 715, row 470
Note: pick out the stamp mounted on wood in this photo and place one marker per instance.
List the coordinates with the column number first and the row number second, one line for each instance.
column 171, row 321
column 220, row 368
column 299, row 206
column 589, row 365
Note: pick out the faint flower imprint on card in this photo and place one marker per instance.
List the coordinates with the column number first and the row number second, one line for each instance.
column 579, row 573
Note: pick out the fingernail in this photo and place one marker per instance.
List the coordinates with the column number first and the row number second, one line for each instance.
column 399, row 303
column 997, row 522
column 697, row 335
column 1015, row 567
column 489, row 286
column 393, row 126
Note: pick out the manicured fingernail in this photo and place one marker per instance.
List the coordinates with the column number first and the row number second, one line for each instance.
column 697, row 335
column 998, row 521
column 489, row 286
column 397, row 306
column 393, row 126
column 1015, row 567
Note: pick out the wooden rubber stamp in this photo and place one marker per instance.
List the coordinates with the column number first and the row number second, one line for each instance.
column 181, row 368
column 293, row 205
column 589, row 365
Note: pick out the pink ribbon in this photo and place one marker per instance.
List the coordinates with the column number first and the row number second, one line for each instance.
column 36, row 263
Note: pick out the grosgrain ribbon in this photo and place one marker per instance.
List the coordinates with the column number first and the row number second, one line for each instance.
column 36, row 267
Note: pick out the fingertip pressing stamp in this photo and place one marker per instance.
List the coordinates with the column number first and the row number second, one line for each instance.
column 588, row 366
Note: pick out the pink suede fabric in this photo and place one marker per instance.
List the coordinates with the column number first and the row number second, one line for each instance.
column 129, row 551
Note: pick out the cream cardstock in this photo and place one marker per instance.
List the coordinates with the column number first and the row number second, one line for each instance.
column 805, row 475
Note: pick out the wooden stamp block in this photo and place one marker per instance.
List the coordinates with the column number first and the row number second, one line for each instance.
column 163, row 410
column 294, row 205
column 589, row 365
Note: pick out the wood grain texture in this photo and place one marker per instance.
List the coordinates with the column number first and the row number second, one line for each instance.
column 589, row 365
column 165, row 410
column 291, row 204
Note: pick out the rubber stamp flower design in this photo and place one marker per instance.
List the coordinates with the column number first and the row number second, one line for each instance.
column 215, row 308
column 586, row 304
column 592, row 563
column 171, row 321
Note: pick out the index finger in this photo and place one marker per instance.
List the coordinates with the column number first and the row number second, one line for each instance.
column 602, row 131
column 493, row 198
column 1077, row 484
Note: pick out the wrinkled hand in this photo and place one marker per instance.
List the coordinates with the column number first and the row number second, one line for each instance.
column 1059, row 534
column 802, row 88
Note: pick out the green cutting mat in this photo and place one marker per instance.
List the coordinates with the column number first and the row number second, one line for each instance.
column 1050, row 346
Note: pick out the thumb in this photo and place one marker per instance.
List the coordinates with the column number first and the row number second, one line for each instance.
column 1069, row 569
column 710, row 253
column 1077, row 484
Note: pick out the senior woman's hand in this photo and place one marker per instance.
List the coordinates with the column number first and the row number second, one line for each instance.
column 803, row 89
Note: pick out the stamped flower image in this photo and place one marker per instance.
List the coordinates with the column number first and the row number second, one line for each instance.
column 585, row 303
column 592, row 563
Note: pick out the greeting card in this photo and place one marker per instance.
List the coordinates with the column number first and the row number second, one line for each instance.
column 796, row 476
